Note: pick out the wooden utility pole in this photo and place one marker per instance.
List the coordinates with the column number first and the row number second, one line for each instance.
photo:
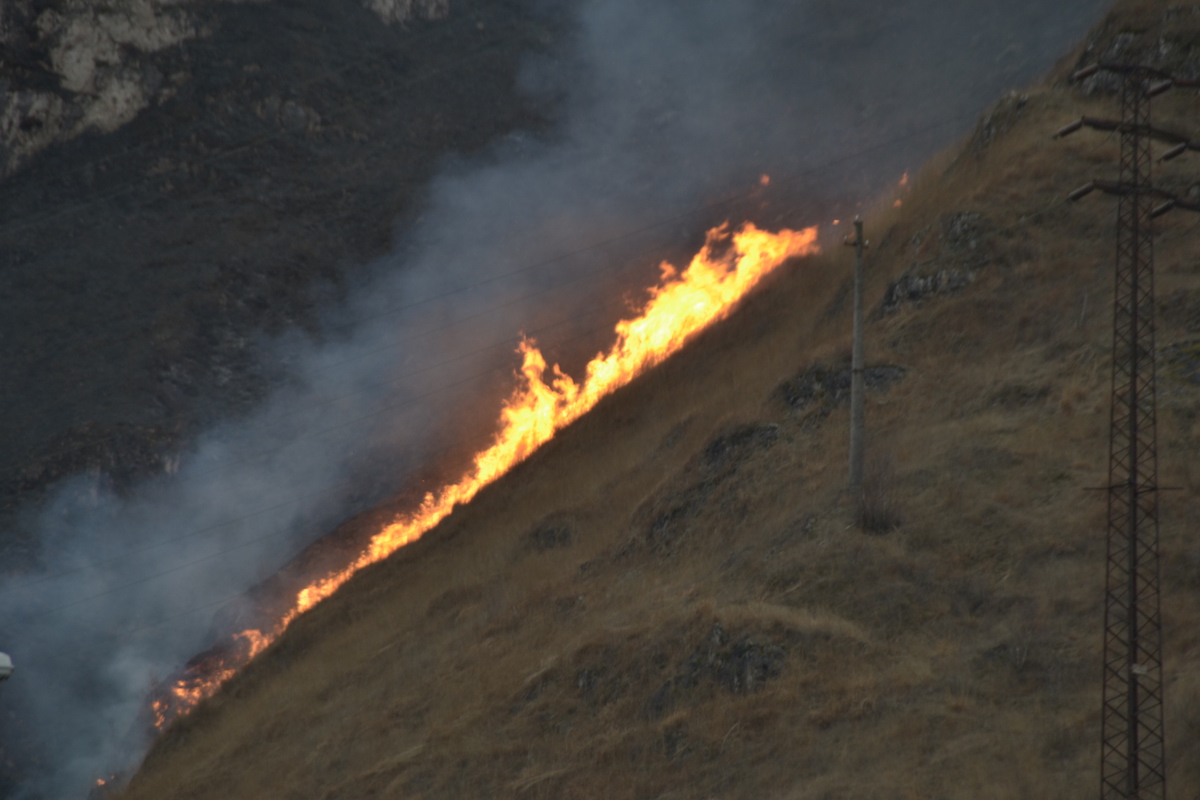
column 857, row 400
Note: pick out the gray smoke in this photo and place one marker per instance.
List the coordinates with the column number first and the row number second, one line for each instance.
column 666, row 108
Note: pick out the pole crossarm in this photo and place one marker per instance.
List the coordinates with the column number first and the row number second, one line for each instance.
column 1125, row 189
column 1110, row 125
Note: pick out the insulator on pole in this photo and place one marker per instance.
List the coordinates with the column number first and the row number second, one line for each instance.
column 1158, row 88
column 1158, row 211
column 1068, row 129
column 1175, row 151
column 1082, row 191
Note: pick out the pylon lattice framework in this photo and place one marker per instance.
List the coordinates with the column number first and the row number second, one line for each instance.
column 1132, row 752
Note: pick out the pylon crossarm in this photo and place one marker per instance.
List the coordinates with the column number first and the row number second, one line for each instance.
column 1180, row 141
column 1174, row 203
column 1123, row 189
column 1161, row 134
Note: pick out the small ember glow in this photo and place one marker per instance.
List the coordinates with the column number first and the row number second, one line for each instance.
column 904, row 179
column 544, row 401
column 837, row 222
column 765, row 180
column 898, row 203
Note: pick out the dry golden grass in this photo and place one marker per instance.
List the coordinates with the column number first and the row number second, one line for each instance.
column 714, row 624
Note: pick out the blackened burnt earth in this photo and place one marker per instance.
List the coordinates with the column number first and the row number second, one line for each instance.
column 138, row 269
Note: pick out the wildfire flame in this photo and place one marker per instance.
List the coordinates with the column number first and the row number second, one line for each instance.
column 544, row 401
column 189, row 690
column 104, row 787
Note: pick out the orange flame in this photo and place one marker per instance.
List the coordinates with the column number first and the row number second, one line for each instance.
column 544, row 403
column 189, row 690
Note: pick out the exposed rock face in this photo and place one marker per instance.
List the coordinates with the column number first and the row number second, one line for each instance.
column 946, row 260
column 1173, row 45
column 824, row 387
column 84, row 65
column 79, row 66
column 392, row 11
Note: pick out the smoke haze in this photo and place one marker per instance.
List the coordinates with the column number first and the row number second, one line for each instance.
column 664, row 108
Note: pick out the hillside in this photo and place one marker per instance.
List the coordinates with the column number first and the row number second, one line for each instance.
column 672, row 599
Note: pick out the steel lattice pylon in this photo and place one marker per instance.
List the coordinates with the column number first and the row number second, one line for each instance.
column 1132, row 756
column 1132, row 753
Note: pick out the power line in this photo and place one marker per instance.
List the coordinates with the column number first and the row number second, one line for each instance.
column 26, row 585
column 129, row 632
column 125, row 634
column 697, row 209
column 1025, row 219
column 589, row 248
column 675, row 217
column 508, row 342
column 443, row 452
column 594, row 246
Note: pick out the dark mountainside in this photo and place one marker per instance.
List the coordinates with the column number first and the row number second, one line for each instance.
column 275, row 151
column 139, row 267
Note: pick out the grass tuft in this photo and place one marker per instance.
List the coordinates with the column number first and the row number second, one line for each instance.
column 877, row 511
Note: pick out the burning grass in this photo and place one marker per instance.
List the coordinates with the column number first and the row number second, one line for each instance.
column 545, row 401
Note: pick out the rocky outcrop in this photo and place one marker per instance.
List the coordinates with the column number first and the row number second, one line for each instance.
column 77, row 66
column 393, row 11
column 70, row 67
column 948, row 258
column 1172, row 45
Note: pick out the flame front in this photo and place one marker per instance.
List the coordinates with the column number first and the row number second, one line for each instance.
column 544, row 401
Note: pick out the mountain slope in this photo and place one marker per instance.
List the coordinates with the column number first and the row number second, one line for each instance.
column 672, row 599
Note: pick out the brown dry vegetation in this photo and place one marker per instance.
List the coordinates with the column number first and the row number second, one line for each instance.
column 671, row 599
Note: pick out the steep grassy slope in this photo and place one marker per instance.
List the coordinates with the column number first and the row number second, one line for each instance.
column 672, row 598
